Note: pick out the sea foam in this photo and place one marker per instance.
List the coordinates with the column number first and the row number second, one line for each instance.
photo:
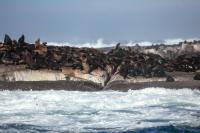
column 105, row 111
column 100, row 43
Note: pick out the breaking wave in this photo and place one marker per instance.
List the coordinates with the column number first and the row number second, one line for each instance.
column 100, row 43
column 147, row 110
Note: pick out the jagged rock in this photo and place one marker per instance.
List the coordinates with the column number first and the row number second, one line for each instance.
column 129, row 63
column 197, row 76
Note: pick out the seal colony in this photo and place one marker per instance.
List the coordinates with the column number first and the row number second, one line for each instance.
column 130, row 65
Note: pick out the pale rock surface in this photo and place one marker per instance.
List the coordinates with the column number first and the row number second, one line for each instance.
column 138, row 79
column 34, row 75
column 97, row 76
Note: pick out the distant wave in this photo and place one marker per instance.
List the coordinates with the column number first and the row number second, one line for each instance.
column 100, row 43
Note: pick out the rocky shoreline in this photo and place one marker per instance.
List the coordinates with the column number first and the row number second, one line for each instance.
column 170, row 66
column 91, row 86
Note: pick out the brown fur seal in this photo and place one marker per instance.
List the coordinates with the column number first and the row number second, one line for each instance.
column 197, row 76
column 117, row 46
column 21, row 41
column 39, row 48
column 7, row 40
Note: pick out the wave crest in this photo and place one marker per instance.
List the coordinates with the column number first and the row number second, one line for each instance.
column 100, row 43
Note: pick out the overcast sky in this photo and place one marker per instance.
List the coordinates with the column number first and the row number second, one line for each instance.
column 88, row 20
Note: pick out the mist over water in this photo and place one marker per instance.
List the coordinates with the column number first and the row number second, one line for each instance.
column 150, row 109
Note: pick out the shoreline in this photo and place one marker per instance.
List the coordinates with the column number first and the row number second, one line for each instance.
column 90, row 86
column 157, row 84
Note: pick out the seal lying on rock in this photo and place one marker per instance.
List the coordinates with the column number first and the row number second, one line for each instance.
column 135, row 64
column 169, row 78
column 197, row 76
column 131, row 62
column 40, row 49
column 187, row 62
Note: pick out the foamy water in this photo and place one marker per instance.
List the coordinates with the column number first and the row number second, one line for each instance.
column 150, row 109
column 100, row 43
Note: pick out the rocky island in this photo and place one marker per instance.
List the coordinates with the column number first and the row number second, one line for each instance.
column 40, row 66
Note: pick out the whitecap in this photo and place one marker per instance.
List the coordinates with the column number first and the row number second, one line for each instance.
column 100, row 43
column 105, row 111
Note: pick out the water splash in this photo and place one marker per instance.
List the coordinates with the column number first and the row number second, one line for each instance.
column 101, row 44
column 150, row 109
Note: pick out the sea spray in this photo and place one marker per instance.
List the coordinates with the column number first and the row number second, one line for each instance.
column 150, row 109
column 100, row 43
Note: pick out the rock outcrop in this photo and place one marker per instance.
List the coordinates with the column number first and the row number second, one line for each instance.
column 34, row 75
column 21, row 61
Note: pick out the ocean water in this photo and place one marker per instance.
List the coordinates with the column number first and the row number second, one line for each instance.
column 101, row 43
column 146, row 110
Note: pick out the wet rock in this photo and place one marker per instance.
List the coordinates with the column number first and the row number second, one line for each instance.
column 130, row 62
